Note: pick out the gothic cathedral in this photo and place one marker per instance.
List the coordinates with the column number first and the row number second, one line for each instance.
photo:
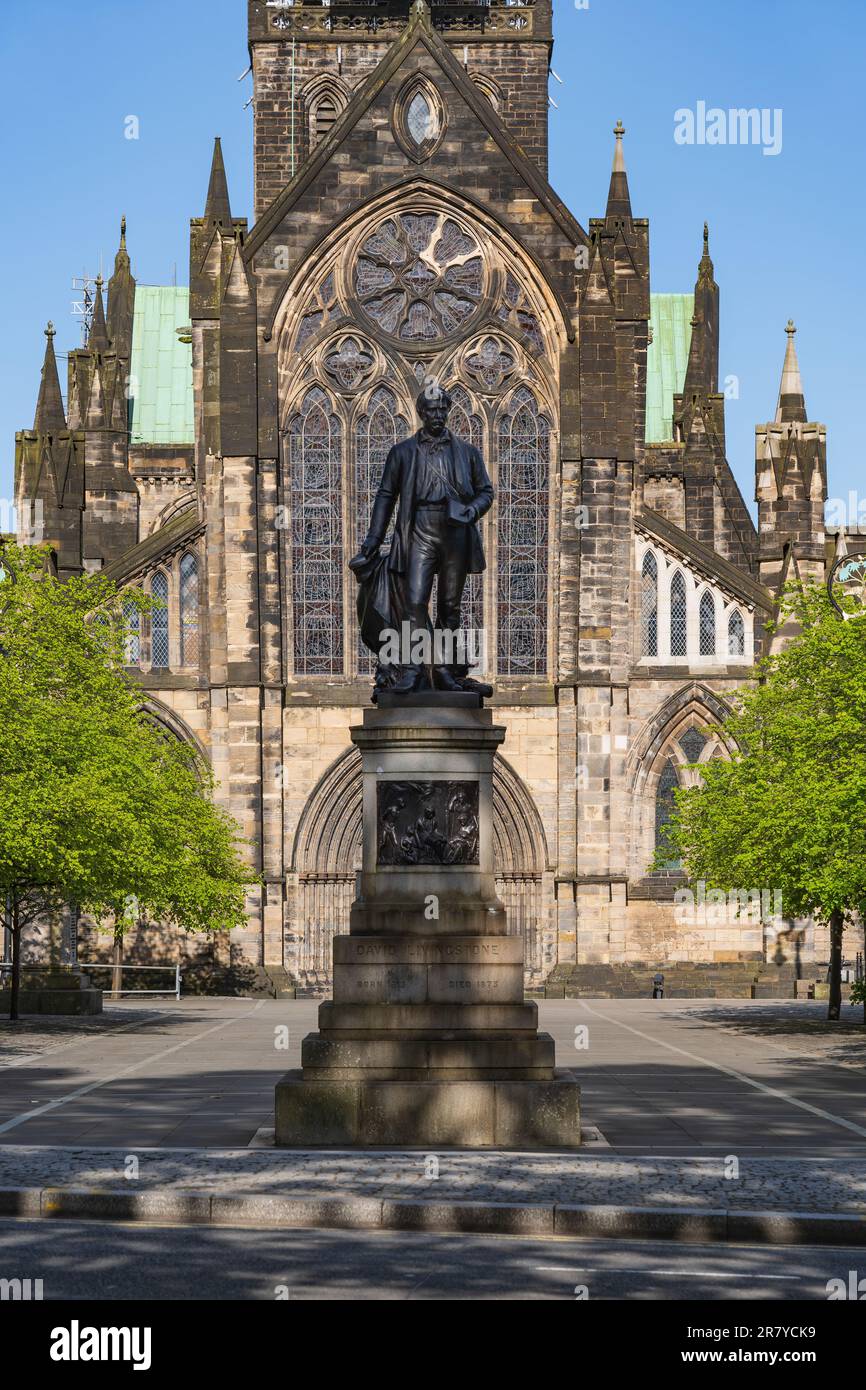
column 219, row 447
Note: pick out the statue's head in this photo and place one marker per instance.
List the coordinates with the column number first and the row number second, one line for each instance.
column 433, row 405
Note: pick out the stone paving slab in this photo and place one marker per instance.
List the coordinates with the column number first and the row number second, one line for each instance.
column 817, row 1185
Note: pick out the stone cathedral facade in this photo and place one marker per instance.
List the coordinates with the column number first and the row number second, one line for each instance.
column 219, row 447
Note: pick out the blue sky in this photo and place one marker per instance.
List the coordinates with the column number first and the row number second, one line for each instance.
column 786, row 230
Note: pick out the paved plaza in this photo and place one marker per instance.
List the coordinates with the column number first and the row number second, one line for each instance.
column 741, row 1105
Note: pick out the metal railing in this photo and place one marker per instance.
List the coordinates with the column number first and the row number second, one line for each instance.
column 108, row 965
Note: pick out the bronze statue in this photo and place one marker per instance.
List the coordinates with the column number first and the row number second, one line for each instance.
column 440, row 488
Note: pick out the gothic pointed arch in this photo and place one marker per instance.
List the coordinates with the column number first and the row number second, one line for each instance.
column 693, row 706
column 323, row 101
column 527, row 299
column 418, row 118
column 326, row 854
column 328, row 836
column 167, row 719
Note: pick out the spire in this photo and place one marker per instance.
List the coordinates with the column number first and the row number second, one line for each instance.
column 706, row 269
column 218, row 208
column 702, row 372
column 618, row 200
column 121, row 299
column 98, row 339
column 50, row 415
column 792, row 403
column 121, row 260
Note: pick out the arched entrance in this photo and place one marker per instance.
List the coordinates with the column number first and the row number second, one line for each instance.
column 326, row 856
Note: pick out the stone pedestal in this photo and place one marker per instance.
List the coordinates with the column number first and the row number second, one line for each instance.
column 55, row 990
column 428, row 1040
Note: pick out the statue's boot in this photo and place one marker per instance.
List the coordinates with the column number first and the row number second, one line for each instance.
column 475, row 687
column 413, row 678
column 444, row 679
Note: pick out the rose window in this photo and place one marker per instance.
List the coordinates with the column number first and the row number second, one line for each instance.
column 419, row 276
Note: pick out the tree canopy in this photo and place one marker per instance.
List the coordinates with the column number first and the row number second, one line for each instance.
column 100, row 803
column 788, row 812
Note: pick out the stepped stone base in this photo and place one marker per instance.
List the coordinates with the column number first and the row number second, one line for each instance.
column 428, row 1041
column 472, row 1114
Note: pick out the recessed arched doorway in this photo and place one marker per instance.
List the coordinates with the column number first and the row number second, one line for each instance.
column 326, row 856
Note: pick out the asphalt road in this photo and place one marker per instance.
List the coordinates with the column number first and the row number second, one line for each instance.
column 100, row 1260
column 655, row 1077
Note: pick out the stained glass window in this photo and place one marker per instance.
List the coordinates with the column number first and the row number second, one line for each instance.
column 708, row 625
column 736, row 634
column 315, row 446
column 679, row 645
column 419, row 276
column 649, row 606
column 665, row 805
column 692, row 743
column 524, row 488
column 132, row 641
column 465, row 423
column 376, row 431
column 189, row 631
column 159, row 622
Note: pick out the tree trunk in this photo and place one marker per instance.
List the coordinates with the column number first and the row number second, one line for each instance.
column 117, row 973
column 837, row 925
column 15, row 988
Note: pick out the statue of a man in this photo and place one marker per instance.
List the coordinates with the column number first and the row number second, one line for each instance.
column 440, row 488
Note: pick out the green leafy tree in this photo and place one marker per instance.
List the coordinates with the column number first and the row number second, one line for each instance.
column 98, row 804
column 789, row 811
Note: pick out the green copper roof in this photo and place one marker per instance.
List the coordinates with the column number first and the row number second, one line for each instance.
column 667, row 359
column 161, row 367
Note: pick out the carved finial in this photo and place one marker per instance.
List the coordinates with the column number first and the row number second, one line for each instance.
column 99, row 281
column 123, row 232
column 618, row 152
column 51, row 331
column 706, row 236
column 790, row 329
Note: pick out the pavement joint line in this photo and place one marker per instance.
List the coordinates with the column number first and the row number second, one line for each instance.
column 244, row 1149
column 125, row 1071
column 730, row 1071
column 79, row 1042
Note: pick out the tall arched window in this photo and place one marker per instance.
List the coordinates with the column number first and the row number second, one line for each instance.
column 466, row 423
column 679, row 646
column 315, row 445
column 159, row 649
column 524, row 491
column 649, row 606
column 665, row 806
column 132, row 634
column 189, row 632
column 707, row 625
column 376, row 432
column 736, row 634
